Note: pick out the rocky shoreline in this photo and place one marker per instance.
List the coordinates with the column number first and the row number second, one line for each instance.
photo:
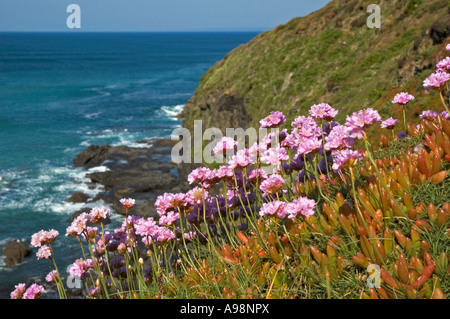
column 141, row 173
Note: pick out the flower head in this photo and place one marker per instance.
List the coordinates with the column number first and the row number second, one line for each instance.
column 323, row 111
column 447, row 47
column 42, row 237
column 78, row 225
column 33, row 292
column 275, row 119
column 436, row 80
column 443, row 65
column 272, row 185
column 274, row 156
column 199, row 175
column 224, row 145
column 361, row 120
column 389, row 123
column 402, row 98
column 242, row 159
column 428, row 114
column 127, row 203
column 302, row 205
column 44, row 252
column 274, row 208
column 99, row 214
column 18, row 292
column 51, row 276
column 338, row 138
column 345, row 158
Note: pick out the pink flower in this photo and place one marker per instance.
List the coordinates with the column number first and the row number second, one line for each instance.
column 242, row 159
column 196, row 195
column 145, row 227
column 163, row 235
column 274, row 156
column 447, row 47
column 389, row 123
column 338, row 138
column 169, row 219
column 444, row 115
column 323, row 111
column 309, row 146
column 345, row 158
column 275, row 119
column 224, row 145
column 272, row 185
column 33, row 292
column 199, row 175
column 402, row 98
column 51, row 276
column 78, row 225
column 436, row 80
column 302, row 205
column 99, row 214
column 274, row 208
column 127, row 203
column 80, row 267
column 18, row 292
column 162, row 203
column 361, row 120
column 444, row 65
column 44, row 252
column 43, row 236
column 223, row 173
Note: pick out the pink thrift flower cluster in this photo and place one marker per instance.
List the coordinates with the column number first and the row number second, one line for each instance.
column 389, row 123
column 402, row 98
column 32, row 292
column 275, row 119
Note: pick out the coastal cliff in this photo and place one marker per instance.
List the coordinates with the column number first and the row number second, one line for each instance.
column 329, row 56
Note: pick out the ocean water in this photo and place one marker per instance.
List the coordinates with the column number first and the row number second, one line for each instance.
column 61, row 92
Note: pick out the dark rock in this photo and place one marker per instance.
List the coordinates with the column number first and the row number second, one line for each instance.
column 15, row 251
column 440, row 30
column 140, row 173
column 93, row 156
column 78, row 197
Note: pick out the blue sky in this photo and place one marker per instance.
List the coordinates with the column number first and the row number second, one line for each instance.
column 153, row 15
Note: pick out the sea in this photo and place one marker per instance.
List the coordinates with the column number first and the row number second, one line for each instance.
column 60, row 93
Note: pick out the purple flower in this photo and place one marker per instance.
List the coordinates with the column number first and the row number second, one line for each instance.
column 272, row 185
column 402, row 98
column 44, row 252
column 428, row 114
column 302, row 205
column 274, row 208
column 338, row 138
column 275, row 119
column 436, row 80
column 361, row 120
column 99, row 214
column 33, row 292
column 444, row 65
column 18, row 292
column 323, row 111
column 389, row 123
column 274, row 156
column 444, row 115
column 224, row 145
column 345, row 158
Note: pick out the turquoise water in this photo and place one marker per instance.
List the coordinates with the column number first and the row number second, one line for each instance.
column 61, row 92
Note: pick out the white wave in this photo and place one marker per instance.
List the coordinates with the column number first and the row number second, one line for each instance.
column 173, row 111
